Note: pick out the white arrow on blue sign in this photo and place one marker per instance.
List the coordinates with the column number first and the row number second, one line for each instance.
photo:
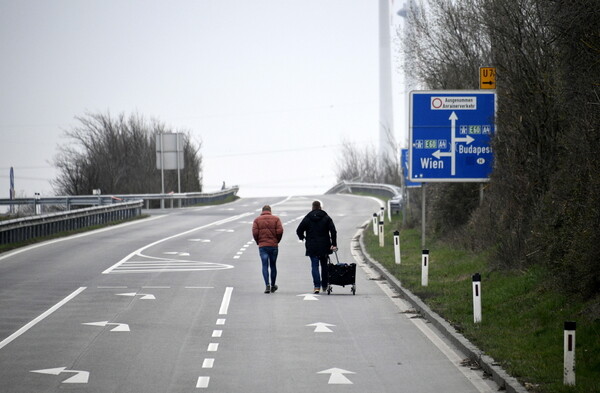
column 450, row 135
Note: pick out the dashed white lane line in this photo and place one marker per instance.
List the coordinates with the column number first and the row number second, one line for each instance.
column 203, row 381
column 226, row 300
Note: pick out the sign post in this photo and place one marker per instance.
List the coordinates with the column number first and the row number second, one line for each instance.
column 449, row 137
column 11, row 191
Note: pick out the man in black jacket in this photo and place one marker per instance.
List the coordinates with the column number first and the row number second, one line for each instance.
column 321, row 240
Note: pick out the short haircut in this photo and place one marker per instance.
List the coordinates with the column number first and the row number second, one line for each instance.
column 266, row 208
column 316, row 205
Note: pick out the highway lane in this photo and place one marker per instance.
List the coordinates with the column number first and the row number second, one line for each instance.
column 175, row 303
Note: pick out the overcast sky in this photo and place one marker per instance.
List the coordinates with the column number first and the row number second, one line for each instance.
column 270, row 88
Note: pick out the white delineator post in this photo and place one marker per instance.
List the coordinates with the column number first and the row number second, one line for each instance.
column 477, row 298
column 375, row 224
column 381, row 239
column 569, row 354
column 425, row 268
column 397, row 247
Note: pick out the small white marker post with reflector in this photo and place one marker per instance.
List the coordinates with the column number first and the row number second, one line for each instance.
column 381, row 239
column 425, row 268
column 477, row 298
column 389, row 210
column 569, row 358
column 375, row 224
column 397, row 247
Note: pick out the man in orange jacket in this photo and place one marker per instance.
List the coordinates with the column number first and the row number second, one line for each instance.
column 267, row 231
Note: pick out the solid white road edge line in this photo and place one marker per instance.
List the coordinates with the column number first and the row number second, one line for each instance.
column 31, row 324
column 471, row 375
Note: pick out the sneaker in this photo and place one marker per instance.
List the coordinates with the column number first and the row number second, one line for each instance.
column 268, row 289
column 316, row 290
column 274, row 288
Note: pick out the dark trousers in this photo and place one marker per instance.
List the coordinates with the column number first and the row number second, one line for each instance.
column 319, row 280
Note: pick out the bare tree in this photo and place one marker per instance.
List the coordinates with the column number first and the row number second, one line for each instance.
column 366, row 166
column 541, row 202
column 117, row 155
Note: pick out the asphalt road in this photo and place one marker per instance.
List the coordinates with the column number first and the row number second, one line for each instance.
column 175, row 303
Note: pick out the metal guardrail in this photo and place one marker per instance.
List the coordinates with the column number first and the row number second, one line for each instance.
column 182, row 199
column 384, row 190
column 23, row 229
column 107, row 208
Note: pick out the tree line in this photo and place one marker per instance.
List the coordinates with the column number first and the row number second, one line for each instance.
column 117, row 154
column 541, row 206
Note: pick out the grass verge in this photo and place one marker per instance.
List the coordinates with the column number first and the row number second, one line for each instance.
column 522, row 319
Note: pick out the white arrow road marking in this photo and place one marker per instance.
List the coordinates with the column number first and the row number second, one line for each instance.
column 80, row 377
column 321, row 327
column 144, row 296
column 309, row 296
column 120, row 327
column 337, row 376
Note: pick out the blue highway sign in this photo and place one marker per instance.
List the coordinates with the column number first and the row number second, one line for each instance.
column 450, row 135
column 405, row 169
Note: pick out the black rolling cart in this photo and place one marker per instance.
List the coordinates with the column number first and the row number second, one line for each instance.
column 341, row 274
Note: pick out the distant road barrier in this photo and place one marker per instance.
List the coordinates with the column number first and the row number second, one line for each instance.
column 23, row 229
column 106, row 208
column 384, row 190
column 183, row 199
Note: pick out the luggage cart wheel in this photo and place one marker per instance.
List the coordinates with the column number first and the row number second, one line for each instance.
column 329, row 289
column 354, row 289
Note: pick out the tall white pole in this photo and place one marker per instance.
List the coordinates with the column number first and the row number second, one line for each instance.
column 386, row 117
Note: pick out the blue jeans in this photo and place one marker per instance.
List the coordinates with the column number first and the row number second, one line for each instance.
column 268, row 256
column 319, row 280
